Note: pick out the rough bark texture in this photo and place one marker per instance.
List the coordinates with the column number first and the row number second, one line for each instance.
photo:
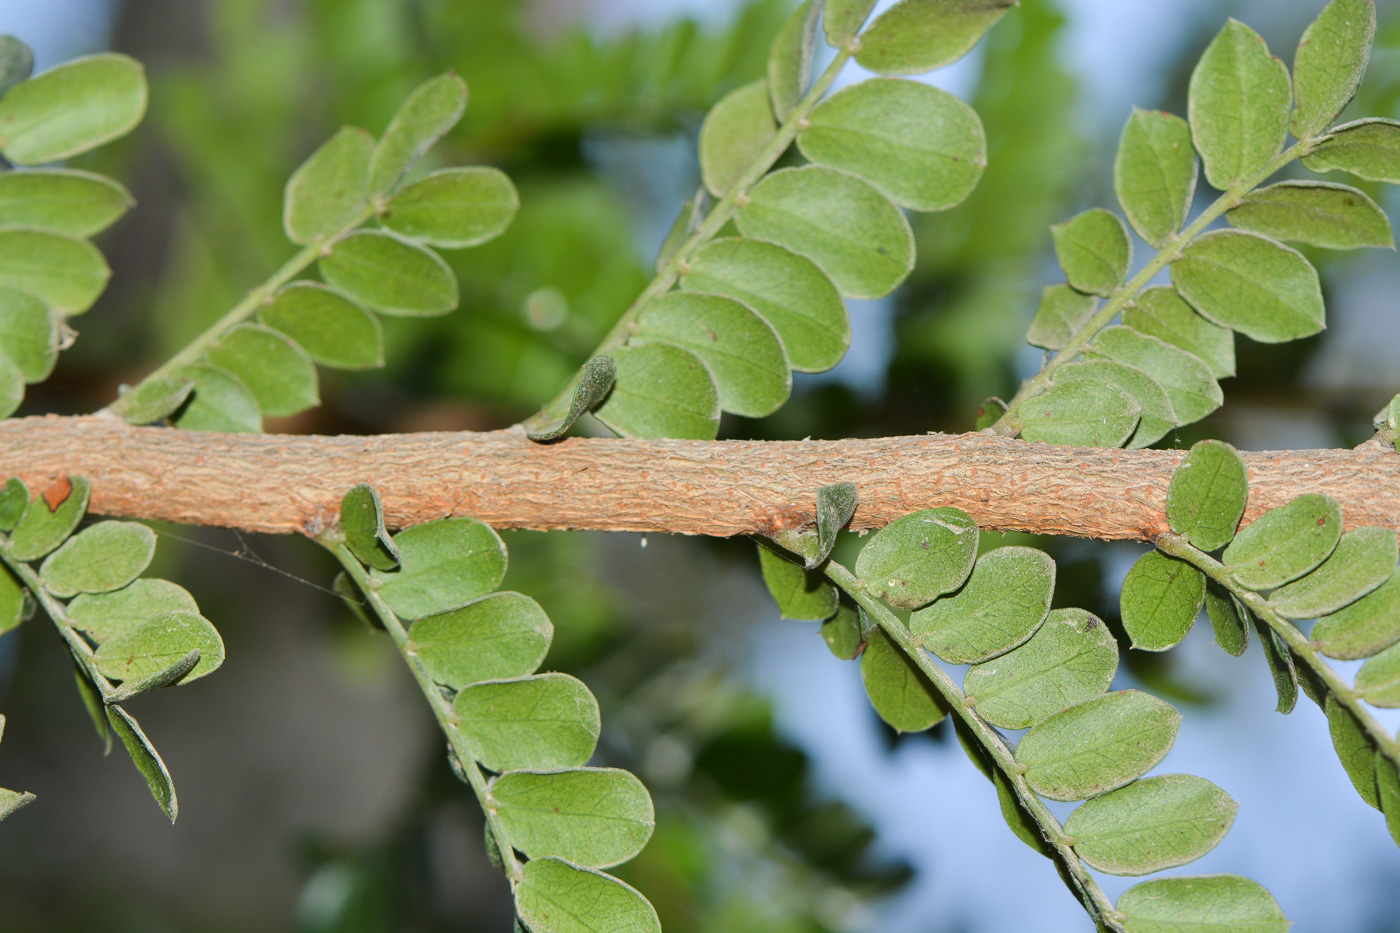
column 289, row 483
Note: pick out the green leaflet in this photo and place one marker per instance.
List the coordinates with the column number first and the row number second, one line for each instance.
column 1001, row 606
column 430, row 111
column 661, row 391
column 13, row 602
column 497, row 637
column 735, row 131
column 1098, row 745
column 29, row 332
column 443, row 564
column 1013, row 812
column 332, row 329
column 1317, row 213
column 94, row 705
column 67, row 201
column 158, row 643
column 1330, row 61
column 1070, row 659
column 1060, row 315
column 327, row 191
column 1238, row 105
column 1251, row 284
column 220, row 402
column 842, row 634
column 1363, row 560
column 592, row 384
column 1364, row 627
column 789, row 291
column 1368, row 149
column 72, row 108
column 1161, row 598
column 790, row 58
column 155, row 399
column 1378, row 681
column 16, row 62
column 107, row 615
column 800, row 593
column 14, row 497
column 594, row 817
column 556, row 897
column 1158, row 417
column 740, row 349
column 147, row 760
column 1094, row 250
column 390, row 274
column 65, row 272
column 1192, row 389
column 1202, row 904
column 1285, row 543
column 921, row 146
column 835, row 506
column 1081, row 414
column 545, row 721
column 454, row 208
column 1229, row 619
column 1388, row 790
column 915, row 36
column 165, row 677
column 362, row 521
column 1154, row 174
column 275, row 369
column 1162, row 313
column 917, row 558
column 1354, row 749
column 1281, row 667
column 103, row 557
column 990, row 413
column 842, row 19
column 11, row 385
column 41, row 528
column 1152, row 824
column 898, row 690
column 10, row 801
column 843, row 224
column 1207, row 495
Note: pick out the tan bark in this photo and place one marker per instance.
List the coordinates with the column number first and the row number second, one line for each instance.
column 290, row 483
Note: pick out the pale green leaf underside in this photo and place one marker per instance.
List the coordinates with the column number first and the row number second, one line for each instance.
column 431, row 110
column 1364, row 559
column 1368, row 149
column 1188, row 382
column 1364, row 627
column 147, row 760
column 275, row 369
column 1158, row 416
column 556, row 897
column 1378, row 681
column 1202, row 904
column 1154, row 174
column 29, row 334
column 147, row 649
column 444, row 564
column 1081, row 414
column 103, row 557
column 454, row 208
column 41, row 529
column 915, row 36
column 1094, row 250
column 1328, row 65
column 332, row 329
column 72, row 108
column 540, row 722
column 790, row 57
column 1151, row 824
column 498, row 637
column 1207, row 495
column 1060, row 315
column 390, row 274
column 917, row 558
column 1285, row 543
column 327, row 191
column 1239, row 99
column 65, row 272
column 842, row 19
column 1317, row 213
column 1162, row 313
column 735, row 132
column 594, row 817
column 661, row 390
column 1001, row 605
column 220, row 402
column 1251, row 284
column 67, row 201
column 107, row 615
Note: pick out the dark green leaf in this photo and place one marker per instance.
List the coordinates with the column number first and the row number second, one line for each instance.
column 362, row 521
column 431, row 110
column 16, row 62
column 443, row 564
column 843, row 224
column 1080, row 414
column 220, row 402
column 1207, row 495
column 592, row 384
column 1317, row 213
column 1061, row 314
column 1017, row 819
column 1355, row 749
column 1161, row 598
column 915, row 36
column 661, row 391
column 101, row 558
column 66, row 201
column 800, row 593
column 1002, row 605
column 14, row 497
column 920, row 145
column 1162, row 313
column 1229, row 619
column 498, row 637
column 93, row 703
column 1251, row 284
column 107, row 615
column 1368, row 149
column 454, row 208
column 595, row 817
column 29, row 333
column 556, row 897
column 156, row 644
column 1094, row 250
column 842, row 634
column 391, row 274
column 1152, row 824
column 1363, row 560
column 1378, row 681
column 41, row 529
column 1364, row 627
column 1192, row 389
column 1070, row 659
column 1154, row 174
column 72, row 108
column 735, row 132
column 790, row 58
column 917, row 558
column 13, row 601
column 1330, row 61
column 1239, row 103
column 1388, row 791
column 788, row 290
column 842, row 19
column 156, row 399
column 1158, row 417
column 1201, row 904
column 1281, row 667
column 1285, row 543
column 65, row 272
column 333, row 329
column 1098, row 745
column 327, row 192
column 546, row 721
column 835, row 506
column 898, row 690
column 275, row 369
column 147, row 760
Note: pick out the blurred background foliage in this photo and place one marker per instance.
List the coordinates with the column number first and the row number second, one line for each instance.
column 317, row 798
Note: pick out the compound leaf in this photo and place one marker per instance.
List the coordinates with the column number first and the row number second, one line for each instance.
column 1060, row 315
column 1207, row 495
column 391, row 274
column 332, row 329
column 1354, row 748
column 545, row 721
column 275, row 369
column 1364, row 627
column 800, row 593
column 1286, row 542
column 1001, row 605
column 556, row 897
column 1094, row 250
column 220, row 401
column 1152, row 824
column 734, row 133
column 362, row 521
column 1202, row 904
column 146, row 758
column 917, row 558
column 1161, row 598
column 430, row 111
column 661, row 390
column 41, row 528
column 1317, row 213
column 1192, row 389
column 103, row 557
column 497, row 637
column 915, row 36
column 67, row 201
column 1239, row 98
column 1329, row 63
column 1364, row 559
column 1368, row 149
column 454, row 208
column 153, row 646
column 898, row 690
column 1081, row 414
column 1162, row 313
column 1158, row 417
column 72, row 108
column 65, row 272
column 595, row 817
column 1154, row 174
column 327, row 191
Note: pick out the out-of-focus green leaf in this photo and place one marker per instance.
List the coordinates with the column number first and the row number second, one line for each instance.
column 800, row 593
column 29, row 333
column 1238, row 104
column 1229, row 619
column 1354, row 748
column 1251, row 284
column 328, row 325
column 1388, row 791
column 328, row 191
column 843, row 224
column 1080, row 414
column 105, row 616
column 915, row 559
column 1330, row 61
column 16, row 62
column 990, row 413
column 898, row 690
column 443, row 564
column 101, row 558
column 1152, row 824
column 275, row 369
column 1060, row 315
column 556, row 897
column 1202, row 904
column 545, row 721
column 661, row 391
column 920, row 145
column 789, row 291
column 1161, row 598
column 1281, row 667
column 1070, row 659
column 147, row 760
column 790, row 58
column 1162, row 313
column 1094, row 250
column 14, row 497
column 497, row 637
column 12, row 602
column 220, row 402
column 1003, row 603
column 1364, row 559
column 1098, row 745
column 595, row 817
column 159, row 642
column 1317, row 213
column 156, row 399
column 915, row 36
column 390, row 274
column 66, row 201
column 1192, row 389
column 1364, row 627
column 1378, row 681
column 687, row 222
column 1286, row 542
column 842, row 19
column 454, row 208
column 1154, row 174
column 1207, row 495
column 362, row 521
column 65, row 272
column 431, row 110
column 72, row 108
column 843, row 636
column 1368, row 149
column 1157, row 418
column 41, row 528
